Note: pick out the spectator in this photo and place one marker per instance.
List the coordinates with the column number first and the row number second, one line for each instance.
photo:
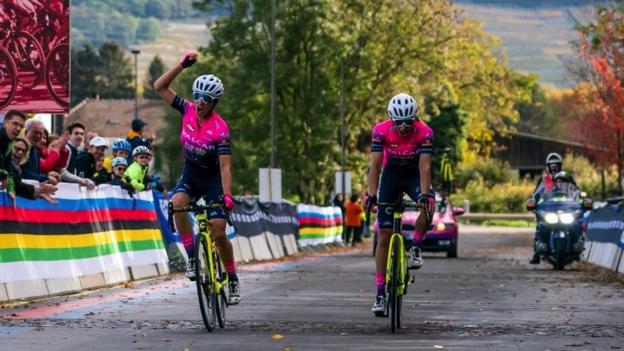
column 119, row 165
column 339, row 202
column 135, row 135
column 138, row 169
column 353, row 210
column 35, row 131
column 11, row 128
column 85, row 163
column 101, row 176
column 121, row 148
column 20, row 154
column 57, row 154
column 76, row 138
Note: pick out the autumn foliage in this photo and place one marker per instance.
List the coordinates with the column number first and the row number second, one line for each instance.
column 601, row 95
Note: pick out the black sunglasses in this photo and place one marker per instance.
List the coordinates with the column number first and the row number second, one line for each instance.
column 400, row 122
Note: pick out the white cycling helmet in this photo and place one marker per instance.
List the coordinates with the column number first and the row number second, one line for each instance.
column 119, row 161
column 402, row 107
column 553, row 157
column 208, row 84
column 141, row 150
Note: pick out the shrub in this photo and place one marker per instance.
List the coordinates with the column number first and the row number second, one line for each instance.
column 499, row 198
column 489, row 170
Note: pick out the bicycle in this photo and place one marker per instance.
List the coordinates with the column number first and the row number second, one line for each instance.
column 210, row 276
column 27, row 54
column 397, row 276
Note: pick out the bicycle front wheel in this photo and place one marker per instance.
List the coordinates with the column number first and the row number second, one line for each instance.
column 205, row 284
column 394, row 286
column 220, row 297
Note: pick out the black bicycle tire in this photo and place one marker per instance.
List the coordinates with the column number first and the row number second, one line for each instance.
column 206, row 306
column 11, row 66
column 393, row 297
column 39, row 48
column 62, row 102
column 220, row 300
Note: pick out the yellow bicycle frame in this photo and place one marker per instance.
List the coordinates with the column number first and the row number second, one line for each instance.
column 397, row 239
column 202, row 222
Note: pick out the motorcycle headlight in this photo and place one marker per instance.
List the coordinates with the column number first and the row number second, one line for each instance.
column 551, row 218
column 566, row 217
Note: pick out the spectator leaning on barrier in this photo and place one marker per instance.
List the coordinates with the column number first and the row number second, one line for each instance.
column 11, row 128
column 20, row 154
column 139, row 168
column 135, row 135
column 76, row 138
column 86, row 161
column 35, row 131
column 121, row 148
column 57, row 154
column 118, row 176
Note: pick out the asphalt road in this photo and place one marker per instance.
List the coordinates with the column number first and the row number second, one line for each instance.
column 488, row 298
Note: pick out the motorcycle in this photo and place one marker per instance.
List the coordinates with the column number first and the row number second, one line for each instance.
column 559, row 216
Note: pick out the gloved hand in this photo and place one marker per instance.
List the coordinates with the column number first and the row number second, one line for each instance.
column 188, row 58
column 425, row 199
column 370, row 201
column 228, row 201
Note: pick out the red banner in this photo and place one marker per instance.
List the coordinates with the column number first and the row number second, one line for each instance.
column 34, row 56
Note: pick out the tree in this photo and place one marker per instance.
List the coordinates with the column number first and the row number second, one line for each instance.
column 537, row 114
column 148, row 29
column 602, row 63
column 155, row 70
column 107, row 73
column 84, row 65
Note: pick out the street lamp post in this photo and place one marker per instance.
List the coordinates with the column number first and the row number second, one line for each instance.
column 342, row 133
column 136, row 52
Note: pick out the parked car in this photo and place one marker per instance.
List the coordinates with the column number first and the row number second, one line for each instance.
column 444, row 235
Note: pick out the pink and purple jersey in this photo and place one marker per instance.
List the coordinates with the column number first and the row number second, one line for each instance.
column 398, row 150
column 203, row 145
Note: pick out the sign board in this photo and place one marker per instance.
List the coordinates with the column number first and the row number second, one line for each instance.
column 270, row 185
column 338, row 186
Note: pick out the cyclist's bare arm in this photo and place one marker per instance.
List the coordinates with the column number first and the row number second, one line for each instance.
column 162, row 84
column 225, row 162
column 424, row 166
column 373, row 174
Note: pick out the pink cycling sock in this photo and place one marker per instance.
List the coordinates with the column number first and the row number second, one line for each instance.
column 230, row 267
column 380, row 280
column 187, row 241
column 418, row 236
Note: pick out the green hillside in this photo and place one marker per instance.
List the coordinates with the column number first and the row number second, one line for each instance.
column 536, row 34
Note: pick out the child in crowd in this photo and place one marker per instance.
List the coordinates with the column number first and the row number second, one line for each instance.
column 118, row 176
column 101, row 176
column 138, row 169
column 121, row 148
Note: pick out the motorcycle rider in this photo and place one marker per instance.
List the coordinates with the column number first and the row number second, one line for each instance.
column 547, row 183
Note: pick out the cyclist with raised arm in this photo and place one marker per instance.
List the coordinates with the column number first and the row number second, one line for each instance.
column 205, row 140
column 401, row 152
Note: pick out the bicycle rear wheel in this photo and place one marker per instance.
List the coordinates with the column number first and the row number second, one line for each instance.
column 221, row 297
column 394, row 286
column 205, row 285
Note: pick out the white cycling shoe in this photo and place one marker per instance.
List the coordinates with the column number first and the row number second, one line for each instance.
column 415, row 258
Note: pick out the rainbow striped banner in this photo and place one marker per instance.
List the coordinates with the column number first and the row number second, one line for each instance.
column 88, row 232
column 319, row 225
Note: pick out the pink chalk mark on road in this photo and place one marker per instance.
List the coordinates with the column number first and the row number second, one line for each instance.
column 50, row 310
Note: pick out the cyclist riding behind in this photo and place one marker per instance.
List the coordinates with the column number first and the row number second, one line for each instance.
column 401, row 151
column 205, row 140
